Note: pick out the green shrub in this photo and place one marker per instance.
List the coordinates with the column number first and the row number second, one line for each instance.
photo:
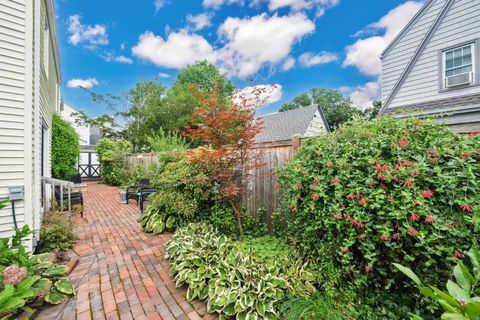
column 167, row 145
column 268, row 247
column 315, row 307
column 374, row 193
column 57, row 233
column 65, row 149
column 462, row 301
column 233, row 281
column 112, row 155
column 183, row 192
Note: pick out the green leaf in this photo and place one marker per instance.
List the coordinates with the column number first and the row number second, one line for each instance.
column 6, row 293
column 160, row 227
column 463, row 277
column 409, row 273
column 64, row 286
column 56, row 270
column 447, row 307
column 472, row 309
column 453, row 316
column 55, row 296
column 474, row 255
column 457, row 292
column 191, row 294
column 170, row 222
column 11, row 304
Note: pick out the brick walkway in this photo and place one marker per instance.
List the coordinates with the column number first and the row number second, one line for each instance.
column 122, row 273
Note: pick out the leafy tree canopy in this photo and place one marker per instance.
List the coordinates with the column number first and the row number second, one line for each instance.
column 337, row 108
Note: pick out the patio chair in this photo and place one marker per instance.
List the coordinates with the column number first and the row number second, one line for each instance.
column 145, row 193
column 75, row 198
column 133, row 192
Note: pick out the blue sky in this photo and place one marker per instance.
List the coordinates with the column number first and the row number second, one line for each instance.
column 109, row 45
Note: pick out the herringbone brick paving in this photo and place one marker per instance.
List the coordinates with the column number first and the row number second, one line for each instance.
column 122, row 273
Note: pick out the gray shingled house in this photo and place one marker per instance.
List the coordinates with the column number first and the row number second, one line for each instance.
column 432, row 68
column 305, row 122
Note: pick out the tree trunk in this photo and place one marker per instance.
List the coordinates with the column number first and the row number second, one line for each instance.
column 238, row 215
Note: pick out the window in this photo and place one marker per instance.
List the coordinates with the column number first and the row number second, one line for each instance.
column 459, row 66
column 458, row 61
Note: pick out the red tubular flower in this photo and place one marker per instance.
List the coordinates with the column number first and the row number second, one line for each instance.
column 412, row 231
column 408, row 184
column 384, row 237
column 338, row 216
column 329, row 164
column 315, row 196
column 396, row 236
column 344, row 250
column 299, row 186
column 361, row 237
column 362, row 202
column 371, row 184
column 395, row 178
column 297, row 196
column 397, row 226
column 429, row 219
column 418, row 123
column 414, row 217
column 458, row 254
column 387, row 168
column 293, row 208
column 349, row 196
column 465, row 154
column 382, row 177
column 466, row 207
column 359, row 195
column 384, row 187
column 347, row 215
column 427, row 193
column 336, row 180
column 403, row 142
column 368, row 268
column 433, row 160
column 314, row 185
column 415, row 172
column 316, row 180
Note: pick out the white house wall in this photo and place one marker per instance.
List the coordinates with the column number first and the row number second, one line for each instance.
column 460, row 24
column 14, row 78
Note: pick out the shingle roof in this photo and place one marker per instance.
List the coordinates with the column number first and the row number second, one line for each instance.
column 284, row 125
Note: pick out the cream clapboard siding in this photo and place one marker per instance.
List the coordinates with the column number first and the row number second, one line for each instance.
column 460, row 24
column 13, row 80
column 29, row 95
column 396, row 59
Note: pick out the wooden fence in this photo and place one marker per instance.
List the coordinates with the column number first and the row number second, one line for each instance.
column 262, row 189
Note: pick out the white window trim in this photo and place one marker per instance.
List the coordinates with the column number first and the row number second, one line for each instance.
column 474, row 64
column 46, row 50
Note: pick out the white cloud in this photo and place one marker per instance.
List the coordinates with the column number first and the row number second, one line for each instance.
column 288, row 64
column 365, row 53
column 319, row 5
column 363, row 96
column 259, row 95
column 218, row 3
column 163, row 75
column 251, row 43
column 309, row 59
column 123, row 46
column 88, row 34
column 123, row 59
column 82, row 83
column 158, row 4
column 176, row 51
column 199, row 21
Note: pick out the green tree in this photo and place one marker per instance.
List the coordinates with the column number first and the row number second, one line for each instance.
column 202, row 77
column 65, row 148
column 336, row 107
column 372, row 112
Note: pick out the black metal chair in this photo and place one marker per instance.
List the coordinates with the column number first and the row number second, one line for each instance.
column 145, row 194
column 75, row 198
column 133, row 192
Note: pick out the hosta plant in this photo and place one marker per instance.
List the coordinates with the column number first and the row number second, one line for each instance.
column 234, row 282
column 373, row 193
column 462, row 299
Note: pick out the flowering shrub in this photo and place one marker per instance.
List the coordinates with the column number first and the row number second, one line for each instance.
column 373, row 193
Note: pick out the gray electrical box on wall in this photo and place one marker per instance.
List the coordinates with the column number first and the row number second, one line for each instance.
column 16, row 193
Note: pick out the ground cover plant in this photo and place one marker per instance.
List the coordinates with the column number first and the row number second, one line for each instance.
column 234, row 281
column 381, row 192
column 26, row 279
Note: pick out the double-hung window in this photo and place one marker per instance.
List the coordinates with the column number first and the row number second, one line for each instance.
column 459, row 66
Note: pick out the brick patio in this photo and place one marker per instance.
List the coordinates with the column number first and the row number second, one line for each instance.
column 122, row 273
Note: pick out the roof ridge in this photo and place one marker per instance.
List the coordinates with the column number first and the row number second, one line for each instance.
column 416, row 54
